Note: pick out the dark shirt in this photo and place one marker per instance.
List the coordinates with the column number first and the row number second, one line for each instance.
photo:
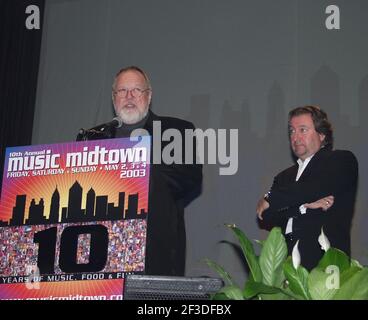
column 126, row 129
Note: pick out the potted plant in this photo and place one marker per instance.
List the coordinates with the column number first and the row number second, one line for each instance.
column 274, row 275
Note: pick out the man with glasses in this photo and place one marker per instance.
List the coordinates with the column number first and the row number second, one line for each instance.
column 317, row 192
column 131, row 96
column 171, row 186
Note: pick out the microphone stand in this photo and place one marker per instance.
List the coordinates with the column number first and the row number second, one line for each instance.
column 99, row 132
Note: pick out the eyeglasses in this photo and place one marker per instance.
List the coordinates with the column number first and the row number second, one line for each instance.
column 135, row 92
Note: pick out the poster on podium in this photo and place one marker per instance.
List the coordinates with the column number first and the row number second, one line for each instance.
column 73, row 219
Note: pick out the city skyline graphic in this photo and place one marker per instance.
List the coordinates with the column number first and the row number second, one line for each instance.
column 96, row 208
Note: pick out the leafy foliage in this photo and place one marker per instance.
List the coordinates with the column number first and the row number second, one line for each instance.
column 273, row 275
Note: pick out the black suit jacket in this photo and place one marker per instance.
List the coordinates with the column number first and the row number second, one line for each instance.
column 328, row 173
column 171, row 188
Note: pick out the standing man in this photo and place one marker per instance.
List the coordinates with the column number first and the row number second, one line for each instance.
column 319, row 191
column 172, row 186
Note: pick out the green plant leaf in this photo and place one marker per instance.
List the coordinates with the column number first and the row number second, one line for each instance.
column 273, row 255
column 348, row 274
column 291, row 295
column 219, row 296
column 260, row 242
column 232, row 292
column 253, row 289
column 334, row 257
column 355, row 263
column 221, row 271
column 248, row 252
column 274, row 296
column 297, row 279
column 319, row 284
column 354, row 289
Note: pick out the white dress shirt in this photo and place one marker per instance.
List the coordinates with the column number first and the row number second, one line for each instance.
column 302, row 165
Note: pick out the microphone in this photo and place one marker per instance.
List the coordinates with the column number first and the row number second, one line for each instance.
column 117, row 122
column 100, row 131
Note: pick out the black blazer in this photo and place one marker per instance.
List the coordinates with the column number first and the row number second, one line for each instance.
column 171, row 188
column 328, row 173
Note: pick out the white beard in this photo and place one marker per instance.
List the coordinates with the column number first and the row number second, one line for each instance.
column 131, row 116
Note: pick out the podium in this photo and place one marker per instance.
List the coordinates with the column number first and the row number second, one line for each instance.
column 73, row 219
